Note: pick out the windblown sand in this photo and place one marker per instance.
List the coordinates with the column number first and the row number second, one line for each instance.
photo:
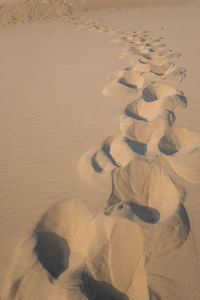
column 100, row 151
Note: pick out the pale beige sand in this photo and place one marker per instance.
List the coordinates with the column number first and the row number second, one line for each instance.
column 53, row 111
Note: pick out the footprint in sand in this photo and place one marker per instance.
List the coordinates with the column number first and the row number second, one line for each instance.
column 153, row 58
column 87, row 249
column 157, row 97
column 138, row 48
column 85, row 255
column 143, row 138
column 154, row 245
column 135, row 138
column 161, row 69
column 136, row 35
column 143, row 125
column 123, row 83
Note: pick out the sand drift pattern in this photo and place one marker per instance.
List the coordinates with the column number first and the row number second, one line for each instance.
column 74, row 254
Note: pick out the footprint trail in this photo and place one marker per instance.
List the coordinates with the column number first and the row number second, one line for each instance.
column 143, row 159
column 139, row 164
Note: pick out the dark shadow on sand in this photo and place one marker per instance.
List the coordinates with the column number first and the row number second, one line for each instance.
column 166, row 146
column 95, row 164
column 149, row 95
column 137, row 147
column 145, row 213
column 106, row 150
column 129, row 85
column 53, row 252
column 99, row 290
column 133, row 115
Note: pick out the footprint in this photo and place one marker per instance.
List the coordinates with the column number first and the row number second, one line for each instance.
column 135, row 50
column 160, row 68
column 146, row 181
column 123, row 149
column 178, row 74
column 156, row 91
column 144, row 131
column 103, row 161
column 156, row 98
column 136, row 137
column 166, row 235
column 154, row 60
column 168, row 53
column 115, row 152
column 123, row 83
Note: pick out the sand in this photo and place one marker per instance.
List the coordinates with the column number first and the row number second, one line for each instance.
column 99, row 150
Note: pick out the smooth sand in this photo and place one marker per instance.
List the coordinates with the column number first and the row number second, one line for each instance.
column 68, row 104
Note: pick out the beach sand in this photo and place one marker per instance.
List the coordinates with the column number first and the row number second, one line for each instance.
column 97, row 112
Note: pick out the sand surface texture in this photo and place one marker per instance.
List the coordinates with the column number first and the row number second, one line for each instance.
column 100, row 150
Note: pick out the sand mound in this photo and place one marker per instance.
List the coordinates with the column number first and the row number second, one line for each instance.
column 32, row 10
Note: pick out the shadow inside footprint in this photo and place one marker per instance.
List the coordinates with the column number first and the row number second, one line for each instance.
column 129, row 85
column 95, row 164
column 137, row 147
column 166, row 146
column 133, row 115
column 183, row 99
column 149, row 95
column 106, row 150
column 99, row 290
column 53, row 252
column 145, row 213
